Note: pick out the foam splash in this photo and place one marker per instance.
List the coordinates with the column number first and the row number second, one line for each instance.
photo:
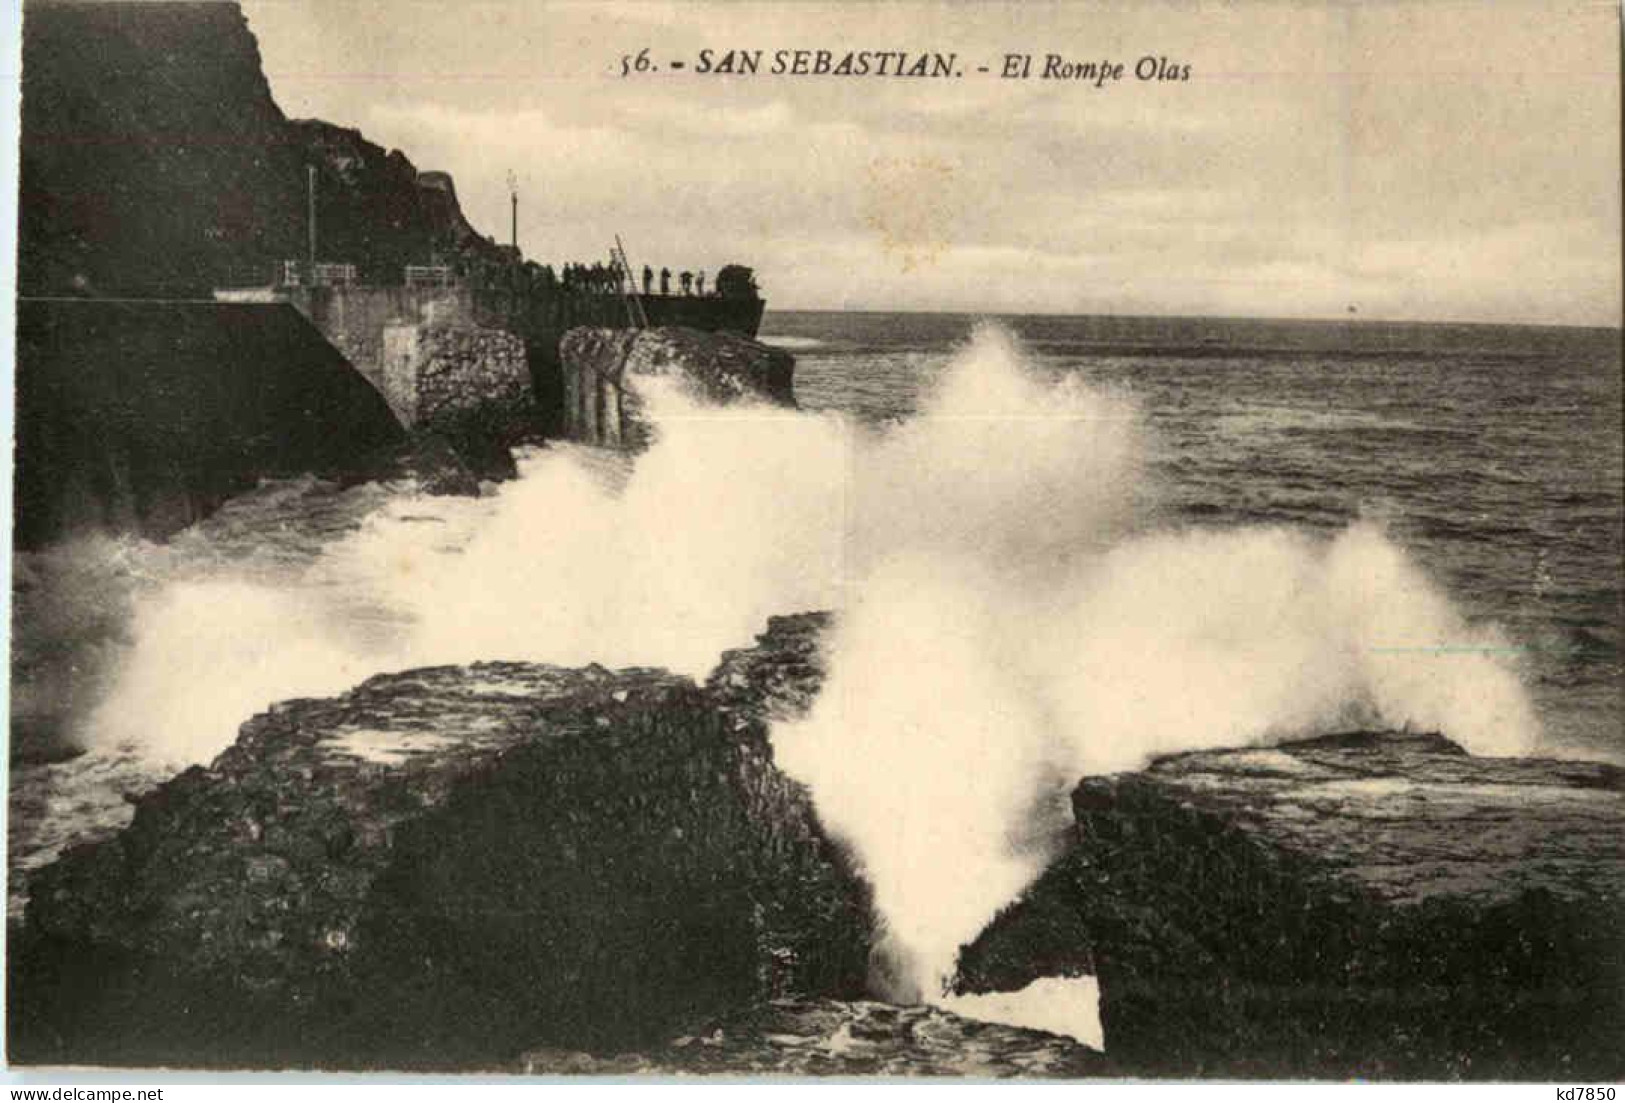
column 1008, row 622
column 1018, row 630
column 734, row 515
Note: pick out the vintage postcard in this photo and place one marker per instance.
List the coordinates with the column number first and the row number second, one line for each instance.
column 818, row 539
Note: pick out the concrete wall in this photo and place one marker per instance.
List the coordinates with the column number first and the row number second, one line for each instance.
column 397, row 377
column 142, row 416
column 354, row 318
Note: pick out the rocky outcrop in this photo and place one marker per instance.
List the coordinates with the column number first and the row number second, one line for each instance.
column 377, row 211
column 1375, row 905
column 143, row 416
column 430, row 461
column 445, row 867
column 778, row 678
column 831, row 1038
column 601, row 404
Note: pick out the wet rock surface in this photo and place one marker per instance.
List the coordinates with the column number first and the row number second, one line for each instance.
column 779, row 677
column 836, row 1038
column 441, row 868
column 1368, row 904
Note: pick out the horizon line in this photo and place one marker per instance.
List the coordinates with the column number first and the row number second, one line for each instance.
column 1319, row 319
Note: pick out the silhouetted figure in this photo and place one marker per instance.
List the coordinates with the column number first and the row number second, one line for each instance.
column 648, row 279
column 687, row 280
column 665, row 281
column 699, row 283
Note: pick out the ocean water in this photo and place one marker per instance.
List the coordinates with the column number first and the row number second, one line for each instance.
column 1492, row 453
column 1059, row 546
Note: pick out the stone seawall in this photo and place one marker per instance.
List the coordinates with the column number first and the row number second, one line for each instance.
column 354, row 318
column 445, row 362
column 601, row 403
column 364, row 323
column 544, row 319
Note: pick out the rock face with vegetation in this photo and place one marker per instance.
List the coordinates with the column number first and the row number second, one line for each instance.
column 600, row 367
column 1376, row 905
column 446, row 867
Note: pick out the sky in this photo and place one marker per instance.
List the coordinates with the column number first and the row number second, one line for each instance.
column 1427, row 161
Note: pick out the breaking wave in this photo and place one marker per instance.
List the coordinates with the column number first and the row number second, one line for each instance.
column 1009, row 619
column 1012, row 626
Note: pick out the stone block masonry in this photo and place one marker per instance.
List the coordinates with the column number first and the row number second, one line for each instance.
column 435, row 376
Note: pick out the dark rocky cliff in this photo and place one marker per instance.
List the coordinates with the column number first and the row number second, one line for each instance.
column 154, row 161
column 445, row 867
column 1374, row 905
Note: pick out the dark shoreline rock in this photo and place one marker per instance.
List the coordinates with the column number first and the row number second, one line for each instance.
column 443, row 464
column 1377, row 905
column 441, row 868
column 513, row 865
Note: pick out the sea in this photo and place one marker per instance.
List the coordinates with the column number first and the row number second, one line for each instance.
column 1492, row 453
column 1068, row 543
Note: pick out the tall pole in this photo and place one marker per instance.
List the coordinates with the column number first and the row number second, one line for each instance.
column 513, row 200
column 311, row 216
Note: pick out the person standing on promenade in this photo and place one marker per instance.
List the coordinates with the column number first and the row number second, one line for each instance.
column 665, row 281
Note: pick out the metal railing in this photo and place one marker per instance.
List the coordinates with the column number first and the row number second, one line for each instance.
column 429, row 275
column 301, row 273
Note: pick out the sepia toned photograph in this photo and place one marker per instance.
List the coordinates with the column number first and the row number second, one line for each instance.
column 806, row 539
